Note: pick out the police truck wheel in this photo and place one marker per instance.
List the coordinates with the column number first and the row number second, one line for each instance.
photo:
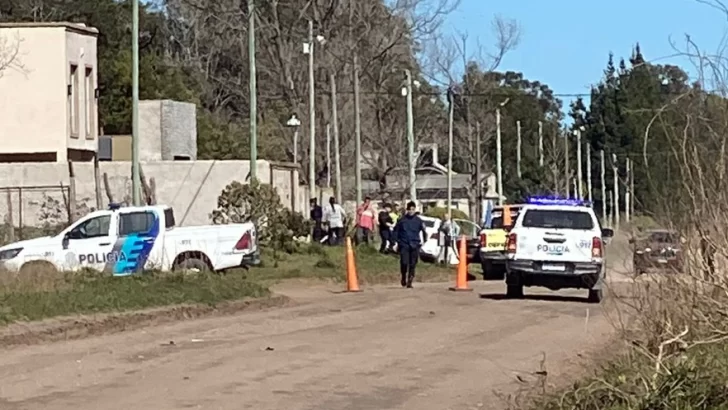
column 514, row 291
column 192, row 264
column 595, row 296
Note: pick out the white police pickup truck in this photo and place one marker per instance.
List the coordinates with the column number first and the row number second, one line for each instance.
column 127, row 240
column 556, row 244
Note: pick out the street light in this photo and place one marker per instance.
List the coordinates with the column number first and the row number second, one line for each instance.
column 499, row 150
column 407, row 92
column 294, row 123
column 308, row 49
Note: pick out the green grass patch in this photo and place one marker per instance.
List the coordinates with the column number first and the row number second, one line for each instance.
column 96, row 293
column 43, row 294
column 695, row 379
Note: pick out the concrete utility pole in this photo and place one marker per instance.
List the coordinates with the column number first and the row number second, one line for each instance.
column 627, row 193
column 478, row 175
column 631, row 189
column 337, row 151
column 588, row 173
column 253, row 92
column 540, row 143
column 611, row 206
column 410, row 137
column 604, row 186
column 615, row 171
column 357, row 130
column 311, row 117
column 579, row 166
column 450, row 120
column 518, row 149
column 328, row 155
column 498, row 156
column 566, row 163
column 136, row 180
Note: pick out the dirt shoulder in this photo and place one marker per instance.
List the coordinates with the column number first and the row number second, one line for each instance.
column 385, row 348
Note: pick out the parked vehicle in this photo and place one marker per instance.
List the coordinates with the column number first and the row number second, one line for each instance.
column 431, row 248
column 659, row 249
column 492, row 248
column 126, row 240
column 557, row 244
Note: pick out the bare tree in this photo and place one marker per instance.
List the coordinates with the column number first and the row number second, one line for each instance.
column 449, row 62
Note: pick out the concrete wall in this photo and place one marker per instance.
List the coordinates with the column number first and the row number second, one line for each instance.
column 33, row 87
column 191, row 187
column 167, row 129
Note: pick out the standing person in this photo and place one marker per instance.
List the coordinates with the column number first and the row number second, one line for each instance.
column 450, row 231
column 365, row 220
column 409, row 230
column 335, row 217
column 385, row 228
column 317, row 215
column 395, row 215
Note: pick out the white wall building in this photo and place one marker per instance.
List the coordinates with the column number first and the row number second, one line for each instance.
column 48, row 92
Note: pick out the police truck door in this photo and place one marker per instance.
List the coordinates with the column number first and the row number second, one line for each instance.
column 89, row 243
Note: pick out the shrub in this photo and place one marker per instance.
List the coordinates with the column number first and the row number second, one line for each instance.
column 260, row 204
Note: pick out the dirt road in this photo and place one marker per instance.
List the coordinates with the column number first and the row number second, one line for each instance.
column 385, row 348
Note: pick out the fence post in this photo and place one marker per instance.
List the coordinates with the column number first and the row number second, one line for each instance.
column 71, row 193
column 97, row 182
column 9, row 219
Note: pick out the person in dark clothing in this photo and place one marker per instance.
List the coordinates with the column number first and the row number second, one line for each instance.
column 317, row 215
column 385, row 228
column 409, row 231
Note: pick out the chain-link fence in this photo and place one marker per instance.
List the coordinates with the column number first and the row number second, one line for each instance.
column 33, row 211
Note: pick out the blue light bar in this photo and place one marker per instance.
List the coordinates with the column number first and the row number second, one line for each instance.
column 114, row 206
column 557, row 201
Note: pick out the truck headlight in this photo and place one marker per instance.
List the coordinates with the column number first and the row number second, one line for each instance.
column 9, row 253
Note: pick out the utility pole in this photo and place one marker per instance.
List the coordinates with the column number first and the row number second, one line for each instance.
column 518, row 149
column 410, row 138
column 311, row 117
column 588, row 173
column 328, row 155
column 295, row 146
column 136, row 181
column 604, row 187
column 253, row 93
column 627, row 196
column 478, row 176
column 631, row 189
column 566, row 163
column 611, row 206
column 337, row 151
column 450, row 120
column 498, row 157
column 540, row 143
column 615, row 171
column 357, row 131
column 579, row 179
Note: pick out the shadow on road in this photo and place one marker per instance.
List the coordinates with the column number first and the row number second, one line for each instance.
column 539, row 297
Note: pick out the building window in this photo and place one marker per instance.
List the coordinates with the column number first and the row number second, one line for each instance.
column 90, row 104
column 73, row 100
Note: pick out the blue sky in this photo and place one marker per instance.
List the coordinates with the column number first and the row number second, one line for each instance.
column 565, row 43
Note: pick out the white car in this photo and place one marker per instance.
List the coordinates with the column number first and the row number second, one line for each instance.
column 431, row 250
column 556, row 244
column 123, row 241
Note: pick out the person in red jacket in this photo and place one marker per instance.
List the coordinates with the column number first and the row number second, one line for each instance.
column 365, row 220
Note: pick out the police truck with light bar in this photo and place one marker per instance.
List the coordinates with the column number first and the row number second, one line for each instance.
column 556, row 244
column 127, row 240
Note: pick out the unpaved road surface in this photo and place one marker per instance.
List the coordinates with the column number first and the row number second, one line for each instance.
column 384, row 348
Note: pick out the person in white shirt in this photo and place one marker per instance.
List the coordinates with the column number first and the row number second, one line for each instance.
column 335, row 218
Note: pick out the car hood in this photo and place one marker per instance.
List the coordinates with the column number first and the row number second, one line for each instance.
column 46, row 240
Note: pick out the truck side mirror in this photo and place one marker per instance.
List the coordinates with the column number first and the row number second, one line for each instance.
column 607, row 233
column 65, row 240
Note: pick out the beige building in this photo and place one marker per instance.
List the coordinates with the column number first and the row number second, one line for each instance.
column 48, row 92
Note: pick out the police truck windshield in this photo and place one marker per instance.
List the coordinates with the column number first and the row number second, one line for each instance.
column 557, row 219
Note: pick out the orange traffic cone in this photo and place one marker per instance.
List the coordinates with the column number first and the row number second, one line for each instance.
column 461, row 281
column 352, row 280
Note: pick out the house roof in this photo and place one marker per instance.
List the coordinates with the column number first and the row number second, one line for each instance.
column 80, row 28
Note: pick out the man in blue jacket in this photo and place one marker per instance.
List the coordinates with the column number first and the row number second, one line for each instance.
column 409, row 232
